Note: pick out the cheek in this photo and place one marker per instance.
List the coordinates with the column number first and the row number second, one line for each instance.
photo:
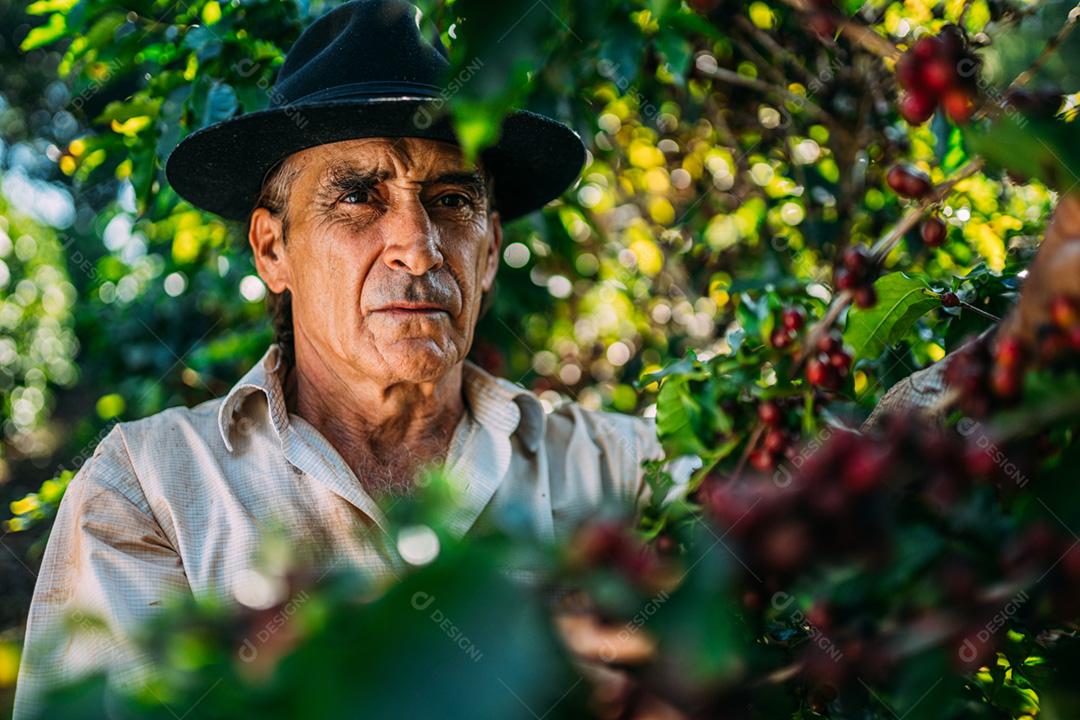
column 471, row 266
column 332, row 269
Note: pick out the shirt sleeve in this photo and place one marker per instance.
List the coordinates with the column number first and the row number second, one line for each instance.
column 107, row 568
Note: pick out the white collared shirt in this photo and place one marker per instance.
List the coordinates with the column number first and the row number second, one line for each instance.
column 178, row 502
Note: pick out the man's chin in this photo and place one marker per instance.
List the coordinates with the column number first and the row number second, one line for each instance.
column 418, row 359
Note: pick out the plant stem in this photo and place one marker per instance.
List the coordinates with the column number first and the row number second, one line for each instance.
column 979, row 311
column 1048, row 50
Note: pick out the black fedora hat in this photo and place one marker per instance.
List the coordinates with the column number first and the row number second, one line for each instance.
column 364, row 70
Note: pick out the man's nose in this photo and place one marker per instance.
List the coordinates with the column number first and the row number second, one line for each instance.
column 412, row 245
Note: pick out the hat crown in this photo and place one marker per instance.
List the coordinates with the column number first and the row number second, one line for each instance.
column 362, row 47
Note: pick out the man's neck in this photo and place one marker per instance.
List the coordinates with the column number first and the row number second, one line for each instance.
column 384, row 433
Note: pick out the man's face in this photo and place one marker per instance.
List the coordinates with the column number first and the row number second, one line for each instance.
column 389, row 247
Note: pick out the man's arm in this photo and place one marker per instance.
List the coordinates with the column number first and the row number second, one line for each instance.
column 107, row 568
column 1054, row 271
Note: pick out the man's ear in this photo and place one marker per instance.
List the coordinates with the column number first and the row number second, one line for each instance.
column 493, row 252
column 267, row 239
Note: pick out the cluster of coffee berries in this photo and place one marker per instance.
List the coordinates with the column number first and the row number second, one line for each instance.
column 840, row 507
column 967, row 374
column 830, row 507
column 908, row 181
column 829, row 365
column 1044, row 553
column 792, row 320
column 613, row 545
column 1062, row 336
column 938, row 70
column 985, row 377
column 857, row 274
column 933, row 231
column 776, row 438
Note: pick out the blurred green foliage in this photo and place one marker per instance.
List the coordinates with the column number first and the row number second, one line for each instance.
column 733, row 156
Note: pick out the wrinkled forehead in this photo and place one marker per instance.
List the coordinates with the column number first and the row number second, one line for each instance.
column 416, row 159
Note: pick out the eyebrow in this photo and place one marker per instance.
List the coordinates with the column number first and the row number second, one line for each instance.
column 471, row 180
column 346, row 177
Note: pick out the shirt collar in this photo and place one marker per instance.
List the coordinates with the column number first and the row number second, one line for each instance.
column 493, row 402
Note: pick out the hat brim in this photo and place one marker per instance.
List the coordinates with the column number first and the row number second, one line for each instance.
column 220, row 168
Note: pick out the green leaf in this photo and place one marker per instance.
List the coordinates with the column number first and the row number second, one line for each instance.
column 676, row 51
column 678, row 415
column 42, row 7
column 477, row 125
column 901, row 301
column 1033, row 148
column 950, row 145
column 44, row 34
column 218, row 104
column 136, row 107
column 687, row 365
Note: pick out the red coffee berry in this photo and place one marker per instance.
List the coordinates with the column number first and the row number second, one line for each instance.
column 820, row 374
column 1005, row 381
column 1052, row 343
column 949, row 300
column 1009, row 352
column 925, row 49
column 821, row 24
column 865, row 468
column 908, row 181
column 916, row 108
column 705, row 6
column 933, row 232
column 770, row 413
column 907, row 72
column 751, row 600
column 785, row 546
column 829, row 344
column 959, row 105
column 845, row 280
column 780, row 338
column 1074, row 339
column 793, row 319
column 937, row 74
column 952, row 41
column 762, row 460
column 865, row 296
column 856, row 260
column 978, row 461
column 667, row 545
column 841, row 361
column 1064, row 312
column 775, row 441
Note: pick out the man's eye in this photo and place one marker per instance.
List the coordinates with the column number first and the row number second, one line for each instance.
column 454, row 200
column 356, row 197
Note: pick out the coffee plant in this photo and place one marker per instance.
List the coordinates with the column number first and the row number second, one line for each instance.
column 789, row 207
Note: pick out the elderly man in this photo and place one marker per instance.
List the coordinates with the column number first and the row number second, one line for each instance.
column 379, row 244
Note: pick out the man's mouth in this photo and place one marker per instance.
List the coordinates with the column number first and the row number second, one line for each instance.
column 405, row 309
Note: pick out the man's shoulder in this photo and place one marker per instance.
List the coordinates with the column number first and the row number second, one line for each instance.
column 164, row 436
column 611, row 431
column 175, row 424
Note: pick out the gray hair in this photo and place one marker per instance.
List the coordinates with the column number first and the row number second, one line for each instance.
column 274, row 196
